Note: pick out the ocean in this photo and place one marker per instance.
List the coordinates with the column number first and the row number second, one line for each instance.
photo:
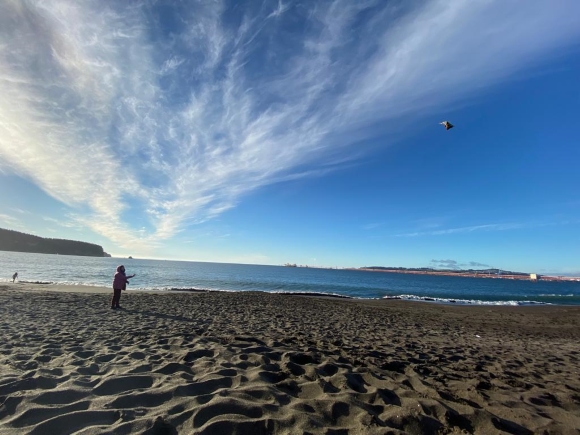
column 189, row 275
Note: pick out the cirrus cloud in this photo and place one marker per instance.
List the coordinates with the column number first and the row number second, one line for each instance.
column 173, row 112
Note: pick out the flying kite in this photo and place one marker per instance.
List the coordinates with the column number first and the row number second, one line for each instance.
column 447, row 125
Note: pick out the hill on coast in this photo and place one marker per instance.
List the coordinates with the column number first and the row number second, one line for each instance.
column 20, row 242
column 447, row 271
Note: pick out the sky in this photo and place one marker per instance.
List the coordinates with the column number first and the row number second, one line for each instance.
column 272, row 132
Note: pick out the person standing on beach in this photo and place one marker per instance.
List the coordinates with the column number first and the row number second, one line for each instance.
column 14, row 276
column 119, row 283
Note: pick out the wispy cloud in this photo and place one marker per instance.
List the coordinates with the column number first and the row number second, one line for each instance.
column 11, row 221
column 469, row 229
column 486, row 227
column 454, row 264
column 373, row 226
column 19, row 210
column 65, row 223
column 280, row 9
column 121, row 109
column 447, row 264
column 476, row 264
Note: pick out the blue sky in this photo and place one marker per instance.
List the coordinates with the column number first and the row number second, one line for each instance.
column 273, row 132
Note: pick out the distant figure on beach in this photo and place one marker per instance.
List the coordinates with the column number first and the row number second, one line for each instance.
column 120, row 282
column 14, row 276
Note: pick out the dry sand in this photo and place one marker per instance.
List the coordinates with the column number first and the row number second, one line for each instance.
column 257, row 363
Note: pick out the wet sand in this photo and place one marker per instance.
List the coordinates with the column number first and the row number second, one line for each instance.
column 258, row 363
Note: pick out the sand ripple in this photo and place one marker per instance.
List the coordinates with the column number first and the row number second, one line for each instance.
column 252, row 363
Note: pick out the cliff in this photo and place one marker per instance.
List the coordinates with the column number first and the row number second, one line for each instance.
column 21, row 242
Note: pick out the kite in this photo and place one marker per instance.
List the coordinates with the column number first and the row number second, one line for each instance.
column 447, row 125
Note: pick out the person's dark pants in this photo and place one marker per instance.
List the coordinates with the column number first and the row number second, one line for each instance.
column 116, row 298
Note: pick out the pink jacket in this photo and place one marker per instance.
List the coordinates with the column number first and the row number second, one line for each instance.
column 120, row 279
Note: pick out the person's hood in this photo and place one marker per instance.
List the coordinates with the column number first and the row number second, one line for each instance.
column 119, row 268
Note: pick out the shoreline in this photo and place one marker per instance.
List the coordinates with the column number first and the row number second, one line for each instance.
column 263, row 363
column 84, row 288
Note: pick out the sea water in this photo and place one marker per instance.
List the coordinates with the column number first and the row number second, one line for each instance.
column 189, row 275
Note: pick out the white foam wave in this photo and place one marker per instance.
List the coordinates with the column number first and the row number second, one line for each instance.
column 554, row 295
column 463, row 301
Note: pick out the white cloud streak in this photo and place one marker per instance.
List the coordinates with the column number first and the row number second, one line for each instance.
column 125, row 109
column 470, row 229
column 11, row 221
column 486, row 227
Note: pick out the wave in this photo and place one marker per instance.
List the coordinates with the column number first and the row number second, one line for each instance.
column 302, row 293
column 280, row 292
column 464, row 301
column 520, row 300
column 182, row 289
column 37, row 282
column 554, row 295
column 400, row 297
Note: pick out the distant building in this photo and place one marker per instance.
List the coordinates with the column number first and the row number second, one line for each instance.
column 534, row 277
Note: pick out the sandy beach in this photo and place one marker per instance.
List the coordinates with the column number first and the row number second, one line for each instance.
column 258, row 363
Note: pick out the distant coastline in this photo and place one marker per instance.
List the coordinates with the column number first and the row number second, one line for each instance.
column 470, row 273
column 490, row 273
column 16, row 241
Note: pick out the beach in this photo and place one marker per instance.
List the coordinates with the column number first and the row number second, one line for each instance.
column 262, row 363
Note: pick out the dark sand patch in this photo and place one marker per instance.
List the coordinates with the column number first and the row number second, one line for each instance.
column 207, row 362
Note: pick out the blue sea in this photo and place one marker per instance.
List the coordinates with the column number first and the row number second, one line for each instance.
column 188, row 275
